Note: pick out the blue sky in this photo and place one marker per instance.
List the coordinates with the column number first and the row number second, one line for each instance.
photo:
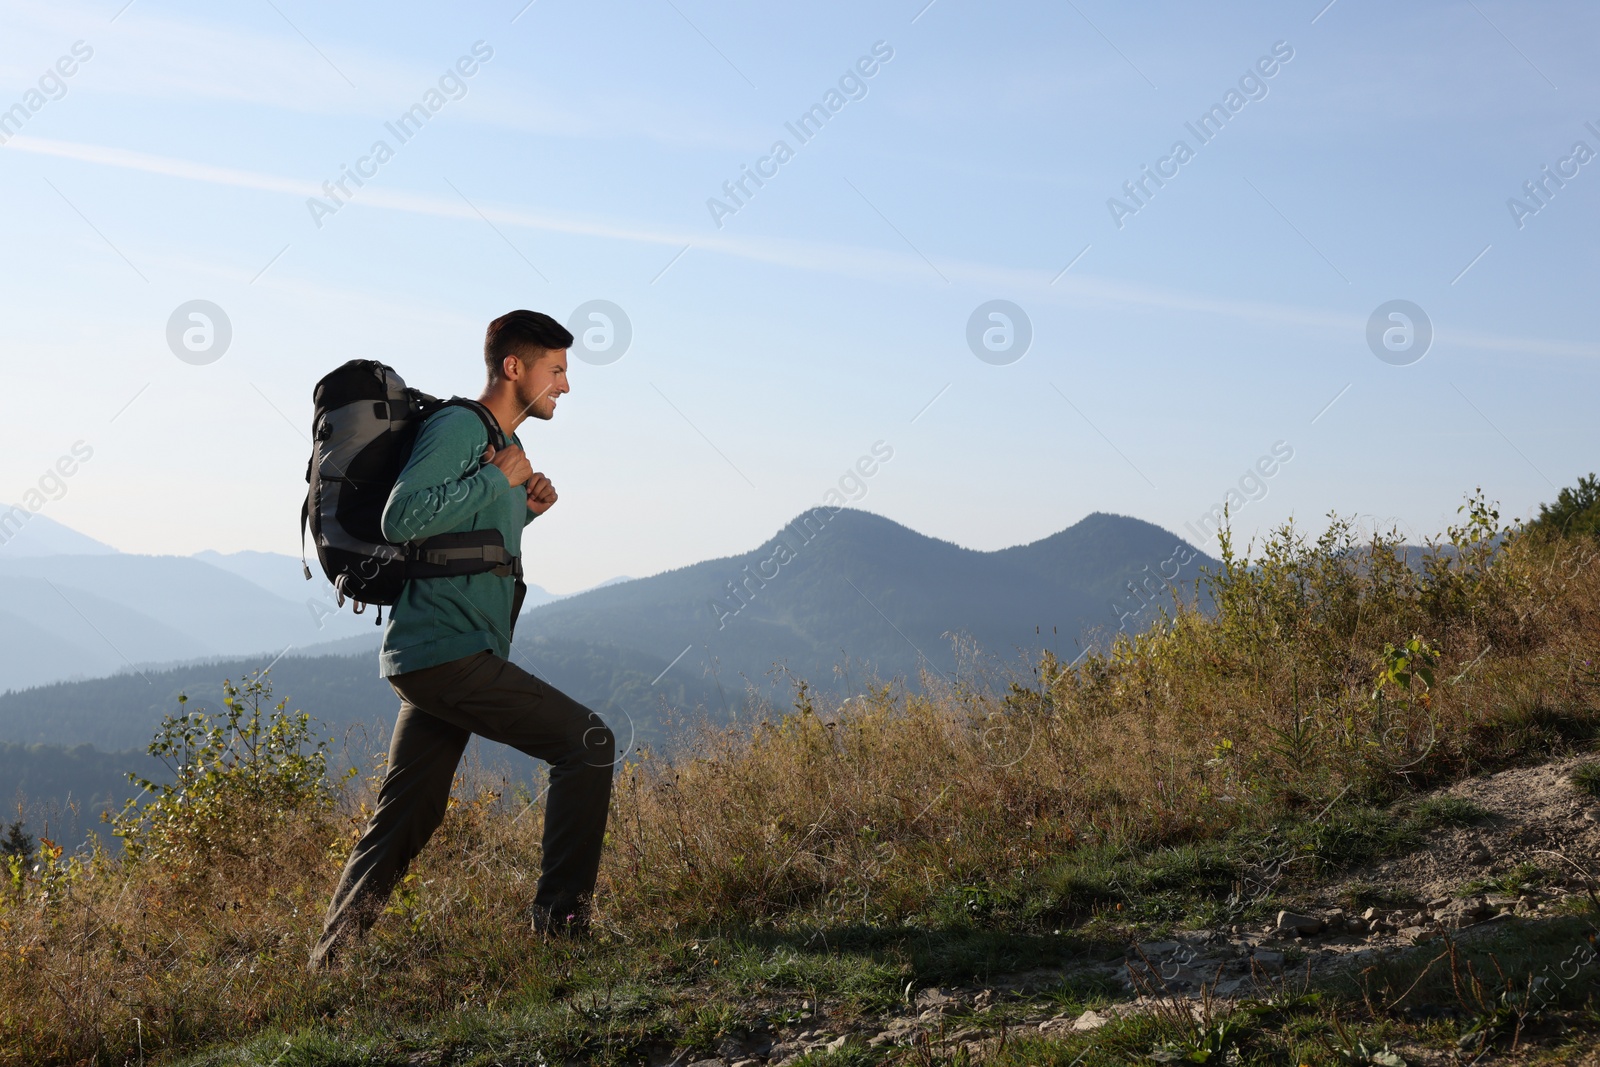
column 830, row 311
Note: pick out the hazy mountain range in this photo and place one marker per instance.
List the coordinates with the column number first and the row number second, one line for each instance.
column 838, row 600
column 73, row 607
column 870, row 596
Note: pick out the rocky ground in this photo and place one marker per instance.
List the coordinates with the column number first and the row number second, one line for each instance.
column 1529, row 849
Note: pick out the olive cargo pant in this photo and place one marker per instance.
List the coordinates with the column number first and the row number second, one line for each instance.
column 441, row 708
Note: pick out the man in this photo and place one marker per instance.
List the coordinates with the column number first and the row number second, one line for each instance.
column 446, row 651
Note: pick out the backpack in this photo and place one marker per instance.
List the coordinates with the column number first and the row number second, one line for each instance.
column 365, row 424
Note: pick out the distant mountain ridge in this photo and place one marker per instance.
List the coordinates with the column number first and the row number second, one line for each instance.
column 857, row 592
column 90, row 615
column 26, row 533
column 284, row 576
column 74, row 607
column 866, row 588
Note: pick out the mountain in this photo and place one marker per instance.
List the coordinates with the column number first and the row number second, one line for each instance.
column 283, row 576
column 87, row 615
column 25, row 533
column 72, row 607
column 855, row 589
column 52, row 630
column 864, row 589
column 649, row 654
column 75, row 607
column 278, row 574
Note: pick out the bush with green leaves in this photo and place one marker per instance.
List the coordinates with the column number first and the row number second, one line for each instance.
column 1576, row 511
column 236, row 775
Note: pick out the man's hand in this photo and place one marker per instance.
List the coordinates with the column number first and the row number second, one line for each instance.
column 541, row 494
column 511, row 460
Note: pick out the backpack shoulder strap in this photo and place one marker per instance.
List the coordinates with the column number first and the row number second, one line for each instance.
column 497, row 437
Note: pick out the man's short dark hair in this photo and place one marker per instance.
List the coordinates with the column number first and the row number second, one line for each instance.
column 524, row 334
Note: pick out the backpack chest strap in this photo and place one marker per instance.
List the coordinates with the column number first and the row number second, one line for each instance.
column 455, row 554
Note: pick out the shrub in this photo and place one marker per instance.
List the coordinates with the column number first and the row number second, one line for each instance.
column 236, row 775
column 1576, row 511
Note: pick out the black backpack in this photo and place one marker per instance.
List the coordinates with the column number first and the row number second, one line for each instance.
column 365, row 425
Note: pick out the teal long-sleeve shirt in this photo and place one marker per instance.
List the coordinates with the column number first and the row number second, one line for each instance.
column 446, row 488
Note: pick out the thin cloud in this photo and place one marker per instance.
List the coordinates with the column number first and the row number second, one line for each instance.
column 262, row 62
column 849, row 260
column 151, row 164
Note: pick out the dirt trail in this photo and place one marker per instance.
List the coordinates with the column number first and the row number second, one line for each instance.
column 1535, row 811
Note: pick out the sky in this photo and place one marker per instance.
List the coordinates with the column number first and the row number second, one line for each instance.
column 1171, row 323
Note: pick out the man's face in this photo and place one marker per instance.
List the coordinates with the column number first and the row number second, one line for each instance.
column 541, row 381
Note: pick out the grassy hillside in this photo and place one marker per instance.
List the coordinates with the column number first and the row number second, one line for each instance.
column 835, row 864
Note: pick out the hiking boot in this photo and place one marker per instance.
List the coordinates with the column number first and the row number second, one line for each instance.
column 322, row 958
column 569, row 922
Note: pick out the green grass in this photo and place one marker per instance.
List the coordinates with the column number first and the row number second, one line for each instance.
column 1238, row 877
column 1586, row 779
column 1159, row 889
column 849, row 1056
column 624, row 1003
column 1485, row 982
column 1358, row 896
column 1525, row 875
column 1442, row 811
column 1080, row 992
column 1350, row 836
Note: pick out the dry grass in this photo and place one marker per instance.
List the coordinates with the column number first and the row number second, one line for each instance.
column 897, row 809
column 1203, row 724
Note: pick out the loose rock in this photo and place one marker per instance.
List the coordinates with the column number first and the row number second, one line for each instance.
column 1303, row 925
column 1462, row 913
